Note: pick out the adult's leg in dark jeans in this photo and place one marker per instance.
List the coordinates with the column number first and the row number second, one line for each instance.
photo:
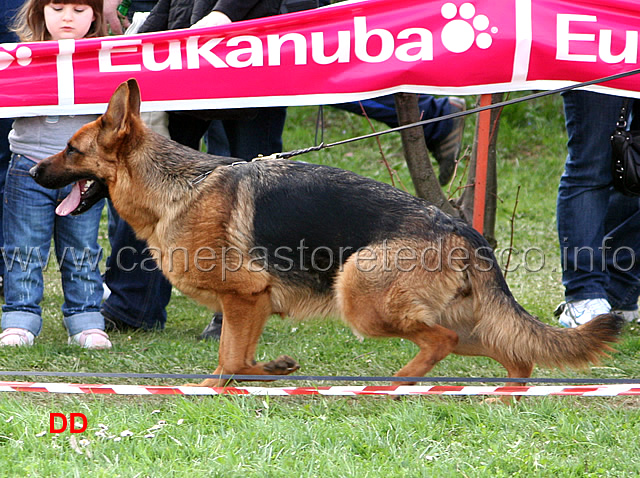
column 139, row 290
column 259, row 135
column 217, row 142
column 585, row 193
column 187, row 130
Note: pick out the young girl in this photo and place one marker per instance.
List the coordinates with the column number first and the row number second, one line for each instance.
column 30, row 220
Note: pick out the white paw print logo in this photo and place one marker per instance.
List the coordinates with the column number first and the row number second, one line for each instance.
column 459, row 34
column 22, row 55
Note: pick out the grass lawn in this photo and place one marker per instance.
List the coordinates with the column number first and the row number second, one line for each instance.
column 338, row 437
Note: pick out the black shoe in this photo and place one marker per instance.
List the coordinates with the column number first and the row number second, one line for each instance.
column 214, row 329
column 113, row 324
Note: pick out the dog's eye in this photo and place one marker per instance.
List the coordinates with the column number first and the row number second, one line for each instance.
column 71, row 150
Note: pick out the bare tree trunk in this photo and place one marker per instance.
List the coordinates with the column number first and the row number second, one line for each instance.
column 416, row 154
column 466, row 202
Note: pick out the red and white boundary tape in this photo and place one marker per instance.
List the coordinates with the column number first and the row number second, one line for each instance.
column 580, row 390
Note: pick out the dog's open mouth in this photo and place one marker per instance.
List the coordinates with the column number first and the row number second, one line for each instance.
column 84, row 194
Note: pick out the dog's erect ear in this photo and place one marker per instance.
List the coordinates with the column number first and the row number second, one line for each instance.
column 124, row 103
column 134, row 97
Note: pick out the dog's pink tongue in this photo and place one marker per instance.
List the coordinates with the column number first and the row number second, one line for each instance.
column 71, row 202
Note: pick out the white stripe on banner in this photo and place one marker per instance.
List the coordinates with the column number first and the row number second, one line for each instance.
column 64, row 65
column 524, row 39
column 60, row 388
column 543, row 390
column 611, row 389
column 128, row 390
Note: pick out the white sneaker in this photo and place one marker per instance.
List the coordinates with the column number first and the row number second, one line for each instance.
column 91, row 339
column 16, row 336
column 629, row 316
column 578, row 312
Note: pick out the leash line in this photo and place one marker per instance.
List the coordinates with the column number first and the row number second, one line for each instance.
column 296, row 152
column 320, row 378
column 321, row 146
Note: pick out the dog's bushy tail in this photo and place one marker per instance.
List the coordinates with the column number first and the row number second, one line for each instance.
column 505, row 326
column 522, row 338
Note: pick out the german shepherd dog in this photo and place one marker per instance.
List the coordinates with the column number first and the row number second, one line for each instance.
column 252, row 239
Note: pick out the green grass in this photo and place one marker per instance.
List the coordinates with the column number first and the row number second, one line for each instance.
column 337, row 437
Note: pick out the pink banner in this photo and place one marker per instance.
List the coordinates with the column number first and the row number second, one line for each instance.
column 343, row 52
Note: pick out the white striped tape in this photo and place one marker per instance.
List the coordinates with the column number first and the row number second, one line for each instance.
column 543, row 390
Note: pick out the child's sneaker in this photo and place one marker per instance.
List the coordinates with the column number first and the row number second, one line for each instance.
column 91, row 339
column 578, row 312
column 16, row 336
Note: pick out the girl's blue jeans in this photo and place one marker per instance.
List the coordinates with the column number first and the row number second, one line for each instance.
column 30, row 222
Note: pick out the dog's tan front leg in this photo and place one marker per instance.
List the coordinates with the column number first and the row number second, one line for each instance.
column 244, row 318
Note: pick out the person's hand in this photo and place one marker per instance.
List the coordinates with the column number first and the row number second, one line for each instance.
column 215, row 18
column 112, row 18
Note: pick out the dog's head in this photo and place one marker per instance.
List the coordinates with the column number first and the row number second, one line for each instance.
column 94, row 153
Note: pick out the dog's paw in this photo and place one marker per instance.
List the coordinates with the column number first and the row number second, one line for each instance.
column 283, row 365
column 501, row 400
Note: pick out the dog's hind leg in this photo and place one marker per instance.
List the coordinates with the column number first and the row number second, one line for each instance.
column 435, row 341
column 375, row 305
column 514, row 370
column 242, row 325
column 435, row 344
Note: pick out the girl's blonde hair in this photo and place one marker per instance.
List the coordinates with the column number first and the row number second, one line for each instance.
column 30, row 26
